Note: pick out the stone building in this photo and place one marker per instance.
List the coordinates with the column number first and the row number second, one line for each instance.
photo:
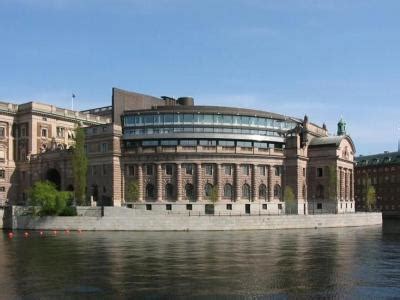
column 182, row 156
column 382, row 171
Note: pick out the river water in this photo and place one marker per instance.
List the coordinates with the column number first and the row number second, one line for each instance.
column 345, row 263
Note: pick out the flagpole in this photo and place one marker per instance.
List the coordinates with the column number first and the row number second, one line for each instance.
column 72, row 101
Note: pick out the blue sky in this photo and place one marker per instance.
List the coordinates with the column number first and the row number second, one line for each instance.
column 318, row 57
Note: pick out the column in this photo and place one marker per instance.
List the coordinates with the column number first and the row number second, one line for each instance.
column 178, row 182
column 341, row 184
column 351, row 185
column 218, row 181
column 254, row 193
column 237, row 182
column 159, row 182
column 140, row 181
column 346, row 184
column 270, row 188
column 199, row 190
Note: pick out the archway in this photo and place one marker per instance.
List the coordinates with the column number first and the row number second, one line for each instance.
column 53, row 176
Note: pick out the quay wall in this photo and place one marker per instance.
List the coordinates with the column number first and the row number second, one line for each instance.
column 129, row 219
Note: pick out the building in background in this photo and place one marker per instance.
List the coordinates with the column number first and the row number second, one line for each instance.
column 181, row 155
column 382, row 171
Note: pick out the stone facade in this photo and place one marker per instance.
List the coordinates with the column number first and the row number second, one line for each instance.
column 184, row 157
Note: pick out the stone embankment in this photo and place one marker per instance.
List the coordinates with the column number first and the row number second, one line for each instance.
column 116, row 218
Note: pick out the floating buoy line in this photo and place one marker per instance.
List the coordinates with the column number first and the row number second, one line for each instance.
column 27, row 234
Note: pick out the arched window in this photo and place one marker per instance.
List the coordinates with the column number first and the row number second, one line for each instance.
column 228, row 191
column 149, row 191
column 320, row 192
column 169, row 191
column 246, row 191
column 189, row 192
column 277, row 192
column 208, row 190
column 262, row 192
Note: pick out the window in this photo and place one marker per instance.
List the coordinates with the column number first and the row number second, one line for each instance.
column 228, row 191
column 60, row 132
column 245, row 169
column 264, row 206
column 148, row 206
column 44, row 132
column 279, row 206
column 2, row 132
column 208, row 190
column 189, row 191
column 277, row 191
column 228, row 169
column 169, row 143
column 168, row 169
column 319, row 205
column 169, row 191
column 262, row 170
column 149, row 143
column 320, row 191
column 104, row 147
column 189, row 206
column 278, row 170
column 188, row 143
column 320, row 172
column 23, row 131
column 131, row 170
column 2, row 189
column 246, row 191
column 149, row 170
column 104, row 170
column 168, row 207
column 2, row 155
column 209, row 169
column 208, row 143
column 2, row 174
column 229, row 207
column 149, row 191
column 304, row 172
column 188, row 169
column 262, row 192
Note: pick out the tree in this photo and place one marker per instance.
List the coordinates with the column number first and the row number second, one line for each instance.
column 132, row 191
column 46, row 200
column 214, row 194
column 332, row 182
column 289, row 198
column 79, row 166
column 370, row 197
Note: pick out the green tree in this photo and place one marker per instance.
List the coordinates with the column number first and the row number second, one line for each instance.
column 332, row 182
column 214, row 194
column 79, row 166
column 370, row 197
column 46, row 200
column 132, row 191
column 290, row 199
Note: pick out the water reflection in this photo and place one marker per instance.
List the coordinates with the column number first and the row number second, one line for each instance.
column 329, row 263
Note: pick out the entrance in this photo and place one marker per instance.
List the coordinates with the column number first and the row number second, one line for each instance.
column 53, row 176
column 247, row 208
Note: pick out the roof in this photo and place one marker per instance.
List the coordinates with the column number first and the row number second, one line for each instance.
column 331, row 141
column 379, row 159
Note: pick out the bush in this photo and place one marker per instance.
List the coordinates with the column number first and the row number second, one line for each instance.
column 47, row 200
column 68, row 211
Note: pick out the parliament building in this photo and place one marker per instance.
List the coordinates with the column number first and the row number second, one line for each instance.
column 183, row 157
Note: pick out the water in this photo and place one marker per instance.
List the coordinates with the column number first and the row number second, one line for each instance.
column 351, row 263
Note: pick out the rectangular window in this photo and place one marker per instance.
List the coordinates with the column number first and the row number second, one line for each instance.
column 149, row 143
column 23, row 131
column 2, row 189
column 168, row 169
column 262, row 170
column 60, row 132
column 278, row 170
column 319, row 205
column 244, row 144
column 209, row 169
column 104, row 170
column 208, row 142
column 229, row 207
column 149, row 170
column 2, row 132
column 264, row 206
column 2, row 174
column 279, row 206
column 188, row 142
column 189, row 169
column 168, row 207
column 189, row 207
column 131, row 170
column 320, row 172
column 169, row 142
column 228, row 169
column 245, row 169
column 44, row 132
column 226, row 143
column 104, row 147
column 148, row 206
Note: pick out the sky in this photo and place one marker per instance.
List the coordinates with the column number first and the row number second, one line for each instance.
column 327, row 59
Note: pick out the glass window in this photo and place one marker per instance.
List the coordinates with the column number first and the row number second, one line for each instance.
column 187, row 129
column 169, row 169
column 149, row 143
column 169, row 142
column 244, row 144
column 262, row 192
column 188, row 142
column 245, row 120
column 227, row 119
column 149, row 170
column 208, row 119
column 131, row 170
column 104, row 147
column 260, row 145
column 209, row 169
column 253, row 121
column 262, row 170
column 178, row 118
column 2, row 174
column 208, row 142
column 237, row 120
column 189, row 191
column 278, row 170
column 218, row 119
column 228, row 169
column 148, row 119
column 188, row 168
column 44, row 132
column 188, row 118
column 228, row 191
column 227, row 130
column 245, row 169
column 168, row 118
column 246, row 191
column 226, row 143
column 138, row 120
column 208, row 190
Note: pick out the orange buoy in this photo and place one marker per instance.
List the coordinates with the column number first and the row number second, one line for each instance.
column 26, row 234
column 66, row 231
column 79, row 230
column 41, row 233
column 10, row 235
column 55, row 232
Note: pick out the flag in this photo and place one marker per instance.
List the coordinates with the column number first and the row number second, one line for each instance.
column 73, row 96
